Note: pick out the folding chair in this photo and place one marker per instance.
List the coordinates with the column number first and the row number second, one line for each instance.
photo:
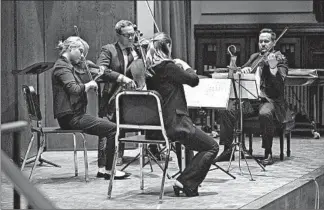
column 35, row 115
column 140, row 110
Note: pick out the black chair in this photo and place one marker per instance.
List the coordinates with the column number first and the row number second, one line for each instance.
column 252, row 126
column 141, row 111
column 35, row 117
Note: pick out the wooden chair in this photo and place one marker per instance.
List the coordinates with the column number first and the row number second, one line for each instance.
column 252, row 126
column 35, row 117
column 142, row 111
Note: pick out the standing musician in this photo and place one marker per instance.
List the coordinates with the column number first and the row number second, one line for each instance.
column 167, row 78
column 70, row 85
column 116, row 57
column 272, row 108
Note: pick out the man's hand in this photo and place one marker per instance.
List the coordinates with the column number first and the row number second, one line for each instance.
column 272, row 60
column 128, row 82
column 91, row 85
column 246, row 70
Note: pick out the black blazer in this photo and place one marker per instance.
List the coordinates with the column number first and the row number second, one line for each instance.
column 274, row 86
column 111, row 57
column 168, row 81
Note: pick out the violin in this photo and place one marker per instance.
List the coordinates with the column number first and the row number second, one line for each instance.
column 264, row 57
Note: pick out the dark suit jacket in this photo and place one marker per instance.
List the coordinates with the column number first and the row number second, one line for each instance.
column 111, row 57
column 274, row 86
column 168, row 81
column 69, row 96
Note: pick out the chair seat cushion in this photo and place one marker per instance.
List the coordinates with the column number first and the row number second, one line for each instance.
column 141, row 139
column 55, row 130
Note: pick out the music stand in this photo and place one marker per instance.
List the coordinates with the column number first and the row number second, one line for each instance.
column 251, row 92
column 37, row 69
column 204, row 96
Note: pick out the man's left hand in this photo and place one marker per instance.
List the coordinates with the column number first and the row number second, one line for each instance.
column 272, row 60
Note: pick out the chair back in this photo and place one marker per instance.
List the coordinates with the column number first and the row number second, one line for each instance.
column 139, row 108
column 32, row 102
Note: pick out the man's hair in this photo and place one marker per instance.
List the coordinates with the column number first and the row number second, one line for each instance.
column 268, row 30
column 122, row 24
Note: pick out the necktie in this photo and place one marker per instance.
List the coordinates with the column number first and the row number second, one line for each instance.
column 129, row 56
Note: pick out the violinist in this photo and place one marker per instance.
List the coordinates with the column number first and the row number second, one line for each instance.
column 70, row 85
column 270, row 75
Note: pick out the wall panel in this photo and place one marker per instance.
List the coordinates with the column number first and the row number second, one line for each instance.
column 96, row 21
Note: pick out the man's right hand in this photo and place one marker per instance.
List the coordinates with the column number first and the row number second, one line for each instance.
column 128, row 82
column 246, row 70
column 91, row 85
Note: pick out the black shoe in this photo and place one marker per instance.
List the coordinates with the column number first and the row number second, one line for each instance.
column 107, row 176
column 189, row 192
column 100, row 175
column 224, row 156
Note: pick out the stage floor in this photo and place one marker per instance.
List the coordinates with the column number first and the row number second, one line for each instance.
column 218, row 191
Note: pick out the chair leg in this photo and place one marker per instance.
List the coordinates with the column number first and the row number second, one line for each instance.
column 281, row 134
column 164, row 174
column 113, row 171
column 250, row 143
column 288, row 136
column 141, row 146
column 86, row 169
column 39, row 152
column 75, row 156
column 27, row 152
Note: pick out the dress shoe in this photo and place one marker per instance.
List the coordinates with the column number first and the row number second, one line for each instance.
column 100, row 175
column 189, row 192
column 224, row 156
column 107, row 176
column 268, row 161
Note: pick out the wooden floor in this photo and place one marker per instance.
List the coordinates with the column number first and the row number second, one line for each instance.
column 218, row 191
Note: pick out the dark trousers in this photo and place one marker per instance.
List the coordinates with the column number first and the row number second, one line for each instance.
column 100, row 127
column 229, row 118
column 197, row 169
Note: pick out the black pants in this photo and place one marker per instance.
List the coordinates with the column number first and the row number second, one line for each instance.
column 94, row 126
column 263, row 109
column 197, row 169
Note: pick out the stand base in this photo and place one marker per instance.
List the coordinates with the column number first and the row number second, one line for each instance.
column 220, row 168
column 41, row 161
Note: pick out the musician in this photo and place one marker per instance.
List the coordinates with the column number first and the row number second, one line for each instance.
column 167, row 78
column 70, row 85
column 116, row 57
column 272, row 108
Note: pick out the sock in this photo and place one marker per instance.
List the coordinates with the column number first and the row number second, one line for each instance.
column 102, row 170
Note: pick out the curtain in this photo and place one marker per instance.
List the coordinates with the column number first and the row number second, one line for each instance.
column 174, row 18
column 318, row 6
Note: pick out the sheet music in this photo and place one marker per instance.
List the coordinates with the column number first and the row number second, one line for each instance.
column 248, row 90
column 210, row 93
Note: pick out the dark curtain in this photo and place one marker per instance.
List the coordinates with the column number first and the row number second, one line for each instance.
column 174, row 18
column 318, row 6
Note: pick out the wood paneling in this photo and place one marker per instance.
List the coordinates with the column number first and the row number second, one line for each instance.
column 96, row 21
column 40, row 25
column 8, row 63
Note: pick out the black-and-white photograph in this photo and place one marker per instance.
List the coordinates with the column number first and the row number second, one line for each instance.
column 162, row 104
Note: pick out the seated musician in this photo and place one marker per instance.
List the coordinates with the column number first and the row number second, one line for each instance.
column 167, row 78
column 270, row 76
column 70, row 83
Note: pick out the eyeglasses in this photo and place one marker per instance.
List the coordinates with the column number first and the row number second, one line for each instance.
column 128, row 35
